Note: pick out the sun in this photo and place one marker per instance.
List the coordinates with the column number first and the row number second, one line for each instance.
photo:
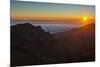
column 85, row 18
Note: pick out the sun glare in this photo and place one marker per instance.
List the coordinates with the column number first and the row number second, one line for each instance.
column 85, row 18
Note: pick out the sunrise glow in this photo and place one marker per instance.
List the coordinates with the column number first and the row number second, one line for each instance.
column 85, row 18
column 51, row 12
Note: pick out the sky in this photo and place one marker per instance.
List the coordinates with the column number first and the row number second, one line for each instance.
column 38, row 11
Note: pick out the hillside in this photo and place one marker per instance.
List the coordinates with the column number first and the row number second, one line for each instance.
column 80, row 41
column 32, row 45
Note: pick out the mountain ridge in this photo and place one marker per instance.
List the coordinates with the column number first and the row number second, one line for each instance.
column 31, row 45
column 81, row 40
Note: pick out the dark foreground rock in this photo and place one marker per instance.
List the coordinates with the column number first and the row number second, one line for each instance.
column 79, row 41
column 31, row 45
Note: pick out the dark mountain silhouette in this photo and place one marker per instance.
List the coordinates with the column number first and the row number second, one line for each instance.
column 31, row 45
column 80, row 41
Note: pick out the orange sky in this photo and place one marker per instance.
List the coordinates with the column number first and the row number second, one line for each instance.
column 51, row 12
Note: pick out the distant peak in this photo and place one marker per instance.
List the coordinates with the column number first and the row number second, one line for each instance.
column 26, row 25
column 92, row 24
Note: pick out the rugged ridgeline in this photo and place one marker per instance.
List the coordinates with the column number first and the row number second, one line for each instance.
column 32, row 45
column 80, row 42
